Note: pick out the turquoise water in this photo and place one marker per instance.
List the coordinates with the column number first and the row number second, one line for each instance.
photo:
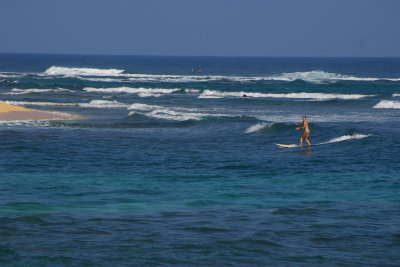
column 173, row 167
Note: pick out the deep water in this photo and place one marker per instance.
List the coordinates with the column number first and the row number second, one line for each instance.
column 169, row 166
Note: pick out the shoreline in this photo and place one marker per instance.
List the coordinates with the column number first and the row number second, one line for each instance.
column 16, row 113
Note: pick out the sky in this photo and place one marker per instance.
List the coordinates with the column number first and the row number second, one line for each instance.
column 300, row 28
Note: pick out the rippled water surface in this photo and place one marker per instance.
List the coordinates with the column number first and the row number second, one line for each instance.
column 173, row 165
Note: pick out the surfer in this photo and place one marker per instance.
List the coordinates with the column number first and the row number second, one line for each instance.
column 306, row 132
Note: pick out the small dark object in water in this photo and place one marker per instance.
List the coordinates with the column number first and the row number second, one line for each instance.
column 244, row 95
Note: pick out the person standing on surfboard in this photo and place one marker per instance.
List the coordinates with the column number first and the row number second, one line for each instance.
column 306, row 132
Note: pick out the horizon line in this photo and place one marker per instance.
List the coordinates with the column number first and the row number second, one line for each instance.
column 211, row 56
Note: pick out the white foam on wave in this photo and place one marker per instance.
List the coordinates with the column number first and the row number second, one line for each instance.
column 315, row 76
column 140, row 106
column 302, row 95
column 396, row 95
column 318, row 76
column 10, row 75
column 145, row 92
column 171, row 78
column 171, row 113
column 17, row 91
column 192, row 91
column 346, row 137
column 103, row 104
column 149, row 95
column 388, row 104
column 102, row 79
column 258, row 127
column 91, row 104
column 26, row 103
column 67, row 71
column 149, row 78
column 168, row 113
column 309, row 76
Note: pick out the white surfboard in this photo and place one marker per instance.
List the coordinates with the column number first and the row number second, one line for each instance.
column 287, row 146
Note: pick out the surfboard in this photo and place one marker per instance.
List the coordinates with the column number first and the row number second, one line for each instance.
column 287, row 146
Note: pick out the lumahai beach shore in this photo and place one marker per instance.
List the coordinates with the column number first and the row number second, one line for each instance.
column 16, row 113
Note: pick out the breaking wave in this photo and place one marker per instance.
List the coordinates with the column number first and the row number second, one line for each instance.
column 388, row 104
column 167, row 113
column 258, row 127
column 16, row 91
column 103, row 104
column 91, row 104
column 142, row 92
column 315, row 76
column 66, row 71
column 172, row 113
column 302, row 95
column 346, row 137
column 26, row 103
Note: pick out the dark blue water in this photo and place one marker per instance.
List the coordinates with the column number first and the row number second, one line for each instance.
column 169, row 166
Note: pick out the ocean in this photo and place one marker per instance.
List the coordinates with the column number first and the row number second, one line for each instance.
column 173, row 161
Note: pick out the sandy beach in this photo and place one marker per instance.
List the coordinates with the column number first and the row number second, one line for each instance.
column 13, row 113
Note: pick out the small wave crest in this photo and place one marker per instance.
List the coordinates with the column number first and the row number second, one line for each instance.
column 301, row 95
column 318, row 76
column 173, row 113
column 103, row 104
column 388, row 104
column 27, row 103
column 17, row 91
column 347, row 137
column 314, row 76
column 142, row 92
column 91, row 104
column 167, row 113
column 258, row 127
column 67, row 71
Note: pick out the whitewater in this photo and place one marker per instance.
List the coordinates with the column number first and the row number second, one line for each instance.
column 314, row 76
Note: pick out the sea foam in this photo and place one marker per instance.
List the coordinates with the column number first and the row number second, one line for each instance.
column 301, row 95
column 318, row 76
column 347, row 137
column 258, row 127
column 27, row 103
column 103, row 104
column 172, row 113
column 167, row 113
column 388, row 104
column 314, row 76
column 91, row 104
column 66, row 71
column 17, row 91
column 131, row 90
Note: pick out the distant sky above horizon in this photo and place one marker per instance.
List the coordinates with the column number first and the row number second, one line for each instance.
column 315, row 28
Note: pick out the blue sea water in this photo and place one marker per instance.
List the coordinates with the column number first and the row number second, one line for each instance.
column 170, row 164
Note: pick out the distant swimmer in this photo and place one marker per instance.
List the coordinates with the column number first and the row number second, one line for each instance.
column 244, row 95
column 306, row 132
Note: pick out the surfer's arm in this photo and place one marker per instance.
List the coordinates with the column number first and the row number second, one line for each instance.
column 302, row 127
